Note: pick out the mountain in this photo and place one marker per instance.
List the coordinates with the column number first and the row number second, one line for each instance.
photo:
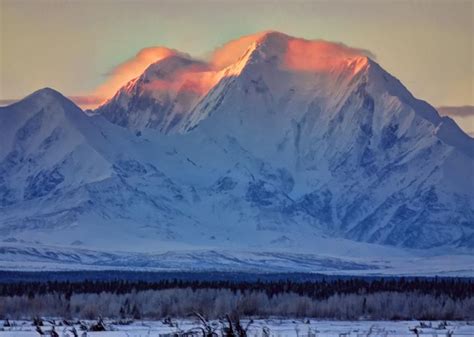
column 166, row 87
column 276, row 145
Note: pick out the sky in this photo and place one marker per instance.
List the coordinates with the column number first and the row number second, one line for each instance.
column 75, row 46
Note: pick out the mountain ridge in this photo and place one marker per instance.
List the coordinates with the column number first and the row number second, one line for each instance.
column 261, row 153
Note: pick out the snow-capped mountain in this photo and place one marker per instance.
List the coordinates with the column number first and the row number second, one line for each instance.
column 276, row 144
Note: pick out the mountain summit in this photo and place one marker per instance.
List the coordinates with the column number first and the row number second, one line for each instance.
column 273, row 144
column 171, row 89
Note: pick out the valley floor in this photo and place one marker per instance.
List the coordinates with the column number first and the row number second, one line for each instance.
column 275, row 327
column 358, row 260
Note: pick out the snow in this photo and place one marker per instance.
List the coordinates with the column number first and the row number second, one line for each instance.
column 277, row 327
column 338, row 162
column 23, row 257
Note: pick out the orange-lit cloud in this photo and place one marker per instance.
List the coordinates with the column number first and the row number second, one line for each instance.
column 86, row 100
column 197, row 78
column 319, row 55
column 200, row 76
column 130, row 69
column 231, row 51
column 298, row 54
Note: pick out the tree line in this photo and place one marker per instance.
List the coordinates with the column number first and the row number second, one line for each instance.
column 423, row 299
column 455, row 288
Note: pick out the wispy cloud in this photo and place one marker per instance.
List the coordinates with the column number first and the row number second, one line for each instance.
column 296, row 49
column 462, row 115
column 457, row 111
column 131, row 68
column 221, row 57
column 297, row 53
column 84, row 102
column 5, row 102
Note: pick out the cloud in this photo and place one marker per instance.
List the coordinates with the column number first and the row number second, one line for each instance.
column 320, row 55
column 193, row 78
column 5, row 102
column 130, row 69
column 456, row 111
column 84, row 102
column 300, row 53
column 87, row 102
column 462, row 115
column 230, row 52
column 296, row 53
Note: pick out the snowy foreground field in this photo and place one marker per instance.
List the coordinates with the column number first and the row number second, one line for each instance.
column 259, row 328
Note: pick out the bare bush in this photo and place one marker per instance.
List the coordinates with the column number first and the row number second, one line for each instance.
column 213, row 303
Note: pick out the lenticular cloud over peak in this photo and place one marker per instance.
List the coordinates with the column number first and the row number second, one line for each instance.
column 132, row 68
column 296, row 53
column 299, row 48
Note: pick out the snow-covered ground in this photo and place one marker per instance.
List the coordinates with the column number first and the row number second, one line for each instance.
column 276, row 327
column 23, row 257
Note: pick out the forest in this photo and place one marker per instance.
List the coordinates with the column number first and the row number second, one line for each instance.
column 343, row 299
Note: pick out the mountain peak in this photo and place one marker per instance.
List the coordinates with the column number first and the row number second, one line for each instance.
column 47, row 96
column 294, row 52
column 45, row 99
column 273, row 37
column 47, row 92
column 168, row 67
